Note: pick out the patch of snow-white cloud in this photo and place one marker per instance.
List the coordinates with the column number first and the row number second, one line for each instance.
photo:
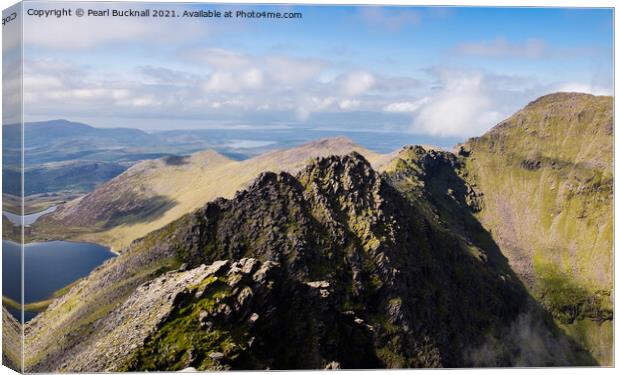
column 355, row 83
column 406, row 106
column 463, row 106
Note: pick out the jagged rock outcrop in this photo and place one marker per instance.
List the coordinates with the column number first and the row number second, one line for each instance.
column 250, row 315
column 149, row 195
column 419, row 297
column 243, row 314
column 363, row 270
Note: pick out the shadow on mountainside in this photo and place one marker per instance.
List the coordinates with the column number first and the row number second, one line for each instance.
column 140, row 211
column 96, row 216
column 396, row 261
column 175, row 160
column 435, row 182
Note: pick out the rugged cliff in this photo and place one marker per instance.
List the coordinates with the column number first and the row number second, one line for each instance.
column 154, row 193
column 499, row 254
column 546, row 175
column 358, row 276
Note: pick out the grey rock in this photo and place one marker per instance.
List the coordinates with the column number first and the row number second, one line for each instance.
column 216, row 356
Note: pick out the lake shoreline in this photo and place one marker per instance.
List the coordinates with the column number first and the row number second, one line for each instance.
column 46, row 270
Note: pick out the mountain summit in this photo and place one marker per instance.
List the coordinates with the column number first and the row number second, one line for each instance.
column 475, row 258
column 148, row 195
column 546, row 174
column 334, row 262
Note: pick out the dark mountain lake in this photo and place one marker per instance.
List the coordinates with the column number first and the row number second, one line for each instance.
column 48, row 266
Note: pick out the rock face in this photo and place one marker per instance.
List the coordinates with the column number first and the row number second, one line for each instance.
column 125, row 329
column 245, row 314
column 546, row 174
column 249, row 315
column 148, row 196
column 339, row 266
column 358, row 277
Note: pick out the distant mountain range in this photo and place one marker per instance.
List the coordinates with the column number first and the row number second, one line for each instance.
column 65, row 156
column 330, row 256
column 154, row 193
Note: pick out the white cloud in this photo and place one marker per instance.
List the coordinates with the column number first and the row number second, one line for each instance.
column 462, row 107
column 235, row 72
column 355, row 83
column 249, row 79
column 468, row 103
column 145, row 101
column 306, row 105
column 502, row 48
column 405, row 107
column 279, row 69
column 348, row 104
column 291, row 71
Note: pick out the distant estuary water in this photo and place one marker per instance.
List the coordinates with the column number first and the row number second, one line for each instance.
column 28, row 219
column 48, row 267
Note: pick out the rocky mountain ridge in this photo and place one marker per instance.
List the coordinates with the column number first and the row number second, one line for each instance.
column 410, row 295
column 431, row 261
column 148, row 196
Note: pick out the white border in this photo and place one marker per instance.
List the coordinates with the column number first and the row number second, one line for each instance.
column 491, row 3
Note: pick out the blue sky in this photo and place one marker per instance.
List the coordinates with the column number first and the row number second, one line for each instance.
column 437, row 71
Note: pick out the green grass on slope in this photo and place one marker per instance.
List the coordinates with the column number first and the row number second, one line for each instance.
column 567, row 300
column 547, row 178
column 182, row 340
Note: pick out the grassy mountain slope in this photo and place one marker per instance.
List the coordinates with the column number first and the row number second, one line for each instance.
column 546, row 175
column 432, row 262
column 437, row 183
column 11, row 341
column 362, row 278
column 154, row 193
